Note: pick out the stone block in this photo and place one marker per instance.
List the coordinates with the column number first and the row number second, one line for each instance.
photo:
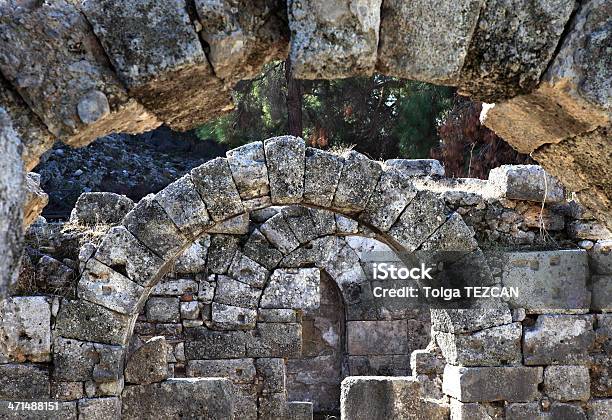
column 20, row 382
column 163, row 309
column 278, row 232
column 485, row 384
column 76, row 360
column 249, row 170
column 460, row 321
column 236, row 293
column 177, row 287
column 207, row 288
column 156, row 52
column 273, row 373
column 260, row 250
column 275, row 340
column 119, row 248
column 193, row 259
column 600, row 369
column 324, row 220
column 453, row 237
column 285, row 161
column 417, row 167
column 377, row 337
column 474, row 411
column 567, row 383
column 273, row 406
column 377, row 397
column 558, row 340
column 300, row 410
column 600, row 409
column 300, row 222
column 150, row 224
column 102, row 285
column 548, row 281
column 588, row 229
column 245, row 401
column 601, row 293
column 183, row 204
column 357, row 182
column 221, row 253
column 489, row 347
column 276, row 315
column 214, row 183
column 74, row 91
column 537, row 217
column 248, row 271
column 202, row 343
column 87, row 321
column 392, row 194
column 528, row 183
column 601, row 257
column 228, row 317
column 25, row 330
column 239, row 371
column 66, row 391
column 99, row 408
column 100, row 208
column 65, row 410
column 149, row 363
column 344, row 225
column 210, row 398
column 321, row 176
column 293, row 289
column 427, row 362
column 333, row 40
column 237, row 225
column 190, row 310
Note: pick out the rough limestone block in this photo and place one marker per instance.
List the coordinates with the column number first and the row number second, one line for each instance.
column 278, row 232
column 275, row 340
column 484, row 384
column 214, row 182
column 183, row 204
column 600, row 369
column 202, row 343
column 357, row 182
column 500, row 66
column 377, row 337
column 324, row 220
column 321, row 176
column 548, row 281
column 248, row 271
column 221, row 253
column 210, row 398
column 87, row 321
column 98, row 408
column 150, row 224
column 602, row 293
column 600, row 409
column 388, row 200
column 120, row 249
column 100, row 208
column 300, row 410
column 25, row 330
column 237, row 225
column 454, row 236
column 567, row 383
column 149, row 363
column 236, row 293
column 377, row 397
column 489, row 347
column 416, row 167
column 527, row 182
column 239, row 371
column 106, row 287
column 156, row 52
column 285, row 161
column 300, row 222
column 470, row 411
column 276, row 315
column 243, row 36
column 333, row 40
column 273, row 373
column 421, row 42
column 163, row 309
column 273, row 406
column 558, row 340
column 190, row 310
column 76, row 360
column 459, row 321
column 193, row 259
column 66, row 391
column 419, row 220
column 73, row 90
column 427, row 362
column 588, row 229
column 229, row 317
column 260, row 250
column 23, row 382
column 293, row 289
column 249, row 170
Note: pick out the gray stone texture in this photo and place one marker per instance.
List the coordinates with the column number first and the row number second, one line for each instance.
column 321, row 176
column 249, row 170
column 416, row 167
column 163, row 309
column 567, row 383
column 228, row 317
column 601, row 293
column 20, row 382
column 278, row 232
column 248, row 271
column 203, row 343
column 236, row 293
column 527, row 182
column 214, row 183
column 148, row 363
column 300, row 222
column 260, row 250
column 285, row 161
column 76, row 360
column 275, row 340
column 460, row 321
column 100, row 208
column 99, row 408
column 293, row 289
column 357, row 182
column 377, row 337
column 25, row 330
column 221, row 253
column 236, row 370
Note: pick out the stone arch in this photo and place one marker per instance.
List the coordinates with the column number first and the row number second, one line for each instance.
column 132, row 258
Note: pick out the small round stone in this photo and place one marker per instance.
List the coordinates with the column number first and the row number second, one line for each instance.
column 93, row 106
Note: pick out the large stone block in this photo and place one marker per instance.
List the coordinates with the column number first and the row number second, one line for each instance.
column 163, row 309
column 357, row 182
column 249, row 170
column 239, row 371
column 103, row 208
column 228, row 317
column 558, row 340
column 275, row 340
column 273, row 373
column 601, row 257
column 483, row 384
column 203, row 343
column 567, row 383
column 278, row 232
column 459, row 321
column 221, row 253
column 600, row 409
column 260, row 250
column 377, row 337
column 383, row 397
column 148, row 363
column 322, row 173
column 526, row 182
column 602, row 293
column 421, row 42
column 600, row 370
column 548, row 281
column 301, row 223
column 155, row 49
column 25, row 329
column 23, row 382
column 293, row 289
column 214, row 182
column 237, row 225
column 333, row 40
column 100, row 408
column 73, row 90
column 236, row 293
column 489, row 347
column 87, row 321
column 210, row 398
column 76, row 360
column 248, row 271
column 193, row 259
column 285, row 161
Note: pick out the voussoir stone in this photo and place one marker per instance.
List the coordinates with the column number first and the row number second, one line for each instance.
column 357, row 182
column 249, row 170
column 285, row 160
column 300, row 222
column 322, row 173
column 155, row 49
column 278, row 232
column 260, row 250
column 214, row 182
column 293, row 289
column 73, row 90
column 148, row 364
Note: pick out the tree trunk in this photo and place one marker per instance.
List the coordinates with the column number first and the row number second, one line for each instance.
column 295, row 93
